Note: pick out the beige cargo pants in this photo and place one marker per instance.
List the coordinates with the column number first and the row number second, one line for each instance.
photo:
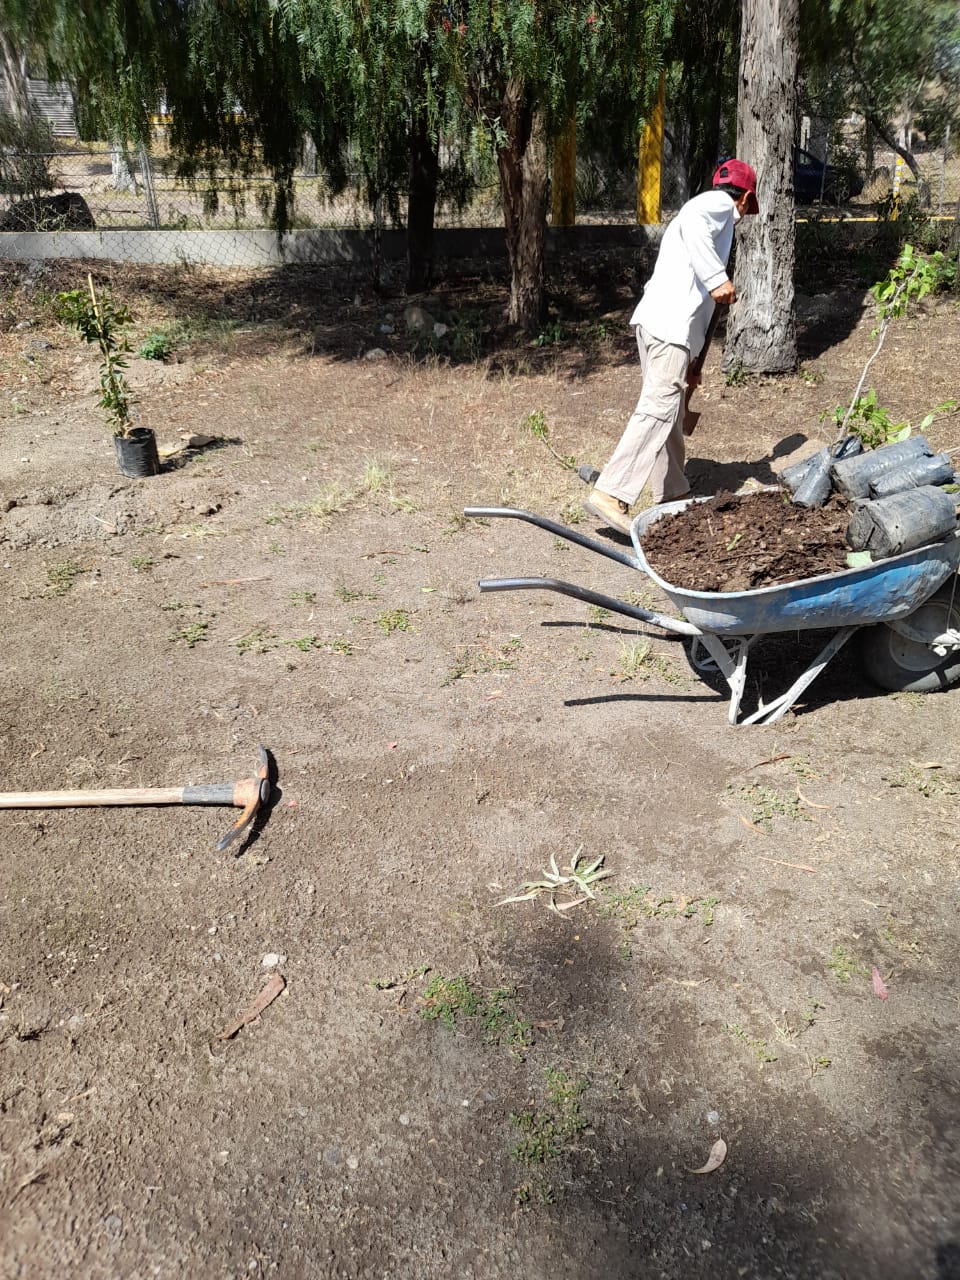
column 651, row 447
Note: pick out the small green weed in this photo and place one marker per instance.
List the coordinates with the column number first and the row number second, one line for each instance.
column 142, row 563
column 638, row 662
column 331, row 499
column 62, row 576
column 736, row 376
column 758, row 1047
column 551, row 335
column 387, row 984
column 449, row 1000
column 377, row 475
column 547, row 1134
column 766, row 804
column 349, row 596
column 304, row 643
column 597, row 614
column 193, row 633
column 843, row 965
column 641, row 903
column 340, row 646
column 478, row 662
column 399, row 502
column 928, row 780
column 393, row 620
column 298, row 598
column 260, row 640
column 156, row 346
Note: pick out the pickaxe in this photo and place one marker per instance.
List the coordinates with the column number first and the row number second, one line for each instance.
column 248, row 794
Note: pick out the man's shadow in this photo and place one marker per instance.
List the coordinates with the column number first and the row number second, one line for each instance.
column 707, row 476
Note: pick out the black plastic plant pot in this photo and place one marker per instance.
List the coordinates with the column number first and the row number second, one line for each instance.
column 137, row 453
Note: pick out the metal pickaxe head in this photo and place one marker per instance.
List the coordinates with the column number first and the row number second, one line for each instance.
column 248, row 795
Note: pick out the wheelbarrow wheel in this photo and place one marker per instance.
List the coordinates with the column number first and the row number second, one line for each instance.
column 703, row 666
column 904, row 665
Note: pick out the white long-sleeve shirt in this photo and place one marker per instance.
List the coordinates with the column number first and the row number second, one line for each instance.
column 676, row 305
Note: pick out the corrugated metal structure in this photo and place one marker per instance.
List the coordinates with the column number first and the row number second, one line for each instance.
column 55, row 103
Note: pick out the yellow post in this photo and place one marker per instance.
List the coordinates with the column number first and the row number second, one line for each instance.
column 651, row 161
column 564, row 199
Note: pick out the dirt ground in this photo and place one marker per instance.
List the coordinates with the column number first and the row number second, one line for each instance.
column 448, row 1085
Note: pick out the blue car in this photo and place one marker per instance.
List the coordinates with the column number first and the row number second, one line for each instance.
column 839, row 183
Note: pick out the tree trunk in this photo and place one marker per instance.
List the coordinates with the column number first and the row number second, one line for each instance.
column 421, row 206
column 522, row 160
column 13, row 78
column 761, row 337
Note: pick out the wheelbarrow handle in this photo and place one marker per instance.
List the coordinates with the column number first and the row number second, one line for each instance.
column 677, row 625
column 558, row 530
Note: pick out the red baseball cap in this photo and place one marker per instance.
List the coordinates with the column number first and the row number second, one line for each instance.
column 737, row 173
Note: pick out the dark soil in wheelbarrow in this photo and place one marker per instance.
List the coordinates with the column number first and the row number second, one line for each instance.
column 738, row 542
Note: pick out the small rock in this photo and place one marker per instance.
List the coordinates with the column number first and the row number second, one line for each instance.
column 439, row 329
column 353, row 1162
column 386, row 327
column 713, row 1117
column 271, row 960
column 416, row 319
column 404, row 1119
column 375, row 353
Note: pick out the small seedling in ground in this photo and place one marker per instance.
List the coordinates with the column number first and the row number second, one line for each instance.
column 305, row 643
column 598, row 614
column 393, row 620
column 61, row 577
column 142, row 563
column 535, row 424
column 340, row 646
column 302, row 597
column 843, row 965
column 759, row 1047
column 579, row 880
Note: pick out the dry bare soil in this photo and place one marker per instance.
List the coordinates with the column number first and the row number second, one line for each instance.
column 447, row 1086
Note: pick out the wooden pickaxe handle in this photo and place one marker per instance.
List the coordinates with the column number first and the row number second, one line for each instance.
column 248, row 795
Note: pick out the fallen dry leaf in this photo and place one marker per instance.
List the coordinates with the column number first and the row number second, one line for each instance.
column 269, row 992
column 718, row 1153
column 879, row 989
column 809, row 803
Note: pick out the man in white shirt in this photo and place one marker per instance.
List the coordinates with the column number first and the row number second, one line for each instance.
column 689, row 280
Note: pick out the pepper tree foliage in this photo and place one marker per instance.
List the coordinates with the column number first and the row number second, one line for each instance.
column 245, row 80
column 887, row 60
column 490, row 80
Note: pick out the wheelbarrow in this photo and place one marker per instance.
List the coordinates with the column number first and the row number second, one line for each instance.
column 907, row 609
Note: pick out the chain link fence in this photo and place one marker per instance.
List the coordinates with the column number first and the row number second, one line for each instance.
column 89, row 187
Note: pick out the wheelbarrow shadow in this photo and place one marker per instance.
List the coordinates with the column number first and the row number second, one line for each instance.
column 775, row 662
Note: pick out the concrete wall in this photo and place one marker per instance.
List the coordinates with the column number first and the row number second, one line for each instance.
column 264, row 248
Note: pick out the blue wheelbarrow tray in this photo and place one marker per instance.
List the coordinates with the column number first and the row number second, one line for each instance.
column 722, row 626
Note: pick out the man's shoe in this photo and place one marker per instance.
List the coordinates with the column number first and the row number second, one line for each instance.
column 610, row 510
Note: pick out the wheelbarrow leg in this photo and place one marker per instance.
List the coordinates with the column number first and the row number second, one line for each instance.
column 774, row 710
column 731, row 658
